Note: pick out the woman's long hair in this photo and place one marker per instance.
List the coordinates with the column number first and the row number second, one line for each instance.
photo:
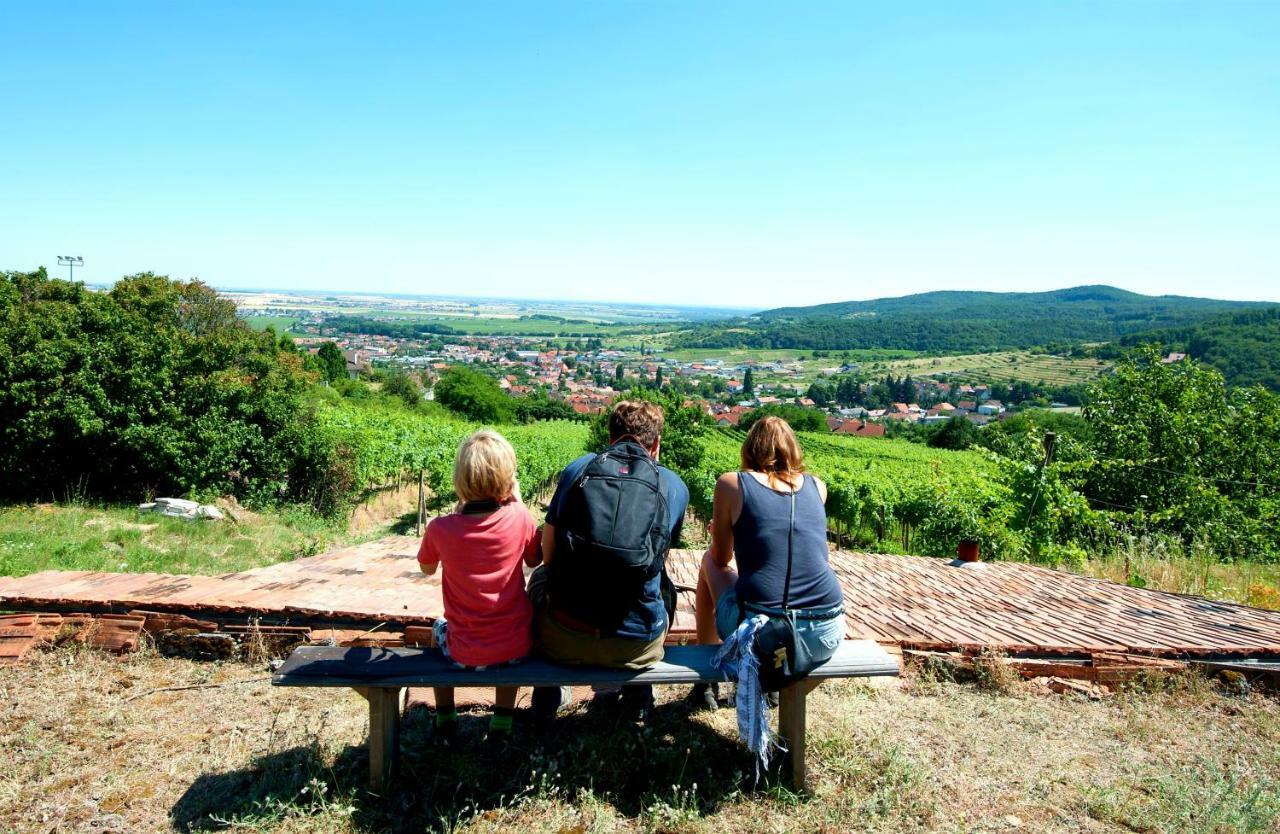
column 771, row 447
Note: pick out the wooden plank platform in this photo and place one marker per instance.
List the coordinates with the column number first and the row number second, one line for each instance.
column 912, row 601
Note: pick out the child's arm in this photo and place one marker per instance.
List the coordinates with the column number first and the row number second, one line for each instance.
column 533, row 545
column 428, row 559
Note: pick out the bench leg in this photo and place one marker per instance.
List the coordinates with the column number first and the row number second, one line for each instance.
column 791, row 726
column 384, row 735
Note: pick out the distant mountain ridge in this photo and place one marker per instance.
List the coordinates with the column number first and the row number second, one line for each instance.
column 950, row 301
column 1245, row 346
column 964, row 321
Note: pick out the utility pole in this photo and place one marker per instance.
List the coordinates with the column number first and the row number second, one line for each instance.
column 70, row 262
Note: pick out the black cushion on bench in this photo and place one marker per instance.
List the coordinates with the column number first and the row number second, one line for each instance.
column 372, row 666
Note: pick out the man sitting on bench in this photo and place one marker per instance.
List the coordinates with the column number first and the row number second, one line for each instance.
column 602, row 596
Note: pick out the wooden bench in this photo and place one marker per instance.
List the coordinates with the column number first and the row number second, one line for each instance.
column 382, row 675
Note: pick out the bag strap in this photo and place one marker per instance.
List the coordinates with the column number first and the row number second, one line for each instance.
column 791, row 529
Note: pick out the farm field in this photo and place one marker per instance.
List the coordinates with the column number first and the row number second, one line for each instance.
column 281, row 324
column 998, row 367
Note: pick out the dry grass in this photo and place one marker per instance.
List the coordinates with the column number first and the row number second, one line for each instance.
column 1250, row 583
column 930, row 756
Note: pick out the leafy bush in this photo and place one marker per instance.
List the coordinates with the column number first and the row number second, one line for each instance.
column 684, row 427
column 798, row 417
column 153, row 387
column 473, row 395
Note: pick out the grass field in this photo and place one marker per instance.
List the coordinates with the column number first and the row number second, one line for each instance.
column 998, row 367
column 982, row 367
column 120, row 539
column 282, row 324
column 734, row 355
column 147, row 744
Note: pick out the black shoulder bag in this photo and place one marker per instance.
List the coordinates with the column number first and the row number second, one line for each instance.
column 783, row 657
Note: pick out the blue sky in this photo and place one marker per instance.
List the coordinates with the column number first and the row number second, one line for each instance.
column 737, row 153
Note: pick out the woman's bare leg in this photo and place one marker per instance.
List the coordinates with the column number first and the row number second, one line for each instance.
column 713, row 581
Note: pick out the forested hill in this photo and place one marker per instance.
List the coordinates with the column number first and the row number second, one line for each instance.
column 1244, row 346
column 964, row 321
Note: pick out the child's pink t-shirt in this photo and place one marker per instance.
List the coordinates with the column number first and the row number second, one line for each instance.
column 484, row 598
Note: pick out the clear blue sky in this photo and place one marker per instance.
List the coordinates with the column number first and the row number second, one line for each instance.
column 684, row 152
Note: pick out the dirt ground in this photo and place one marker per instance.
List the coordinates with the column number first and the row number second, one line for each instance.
column 93, row 743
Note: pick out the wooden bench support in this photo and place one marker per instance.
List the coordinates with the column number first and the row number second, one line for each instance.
column 791, row 717
column 384, row 734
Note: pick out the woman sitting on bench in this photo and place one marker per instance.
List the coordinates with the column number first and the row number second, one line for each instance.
column 759, row 515
column 487, row 616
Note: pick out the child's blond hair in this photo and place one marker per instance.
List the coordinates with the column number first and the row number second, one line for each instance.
column 485, row 468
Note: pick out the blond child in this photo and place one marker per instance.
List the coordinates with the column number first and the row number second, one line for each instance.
column 487, row 614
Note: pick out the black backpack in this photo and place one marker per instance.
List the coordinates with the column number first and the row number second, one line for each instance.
column 612, row 537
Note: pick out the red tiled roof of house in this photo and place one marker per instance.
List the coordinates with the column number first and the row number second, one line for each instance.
column 860, row 428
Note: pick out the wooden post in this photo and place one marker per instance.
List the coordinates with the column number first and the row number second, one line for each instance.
column 422, row 496
column 384, row 735
column 791, row 720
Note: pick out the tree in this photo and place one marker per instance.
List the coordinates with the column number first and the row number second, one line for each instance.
column 1175, row 449
column 332, row 363
column 683, row 426
column 538, row 406
column 798, row 417
column 155, row 386
column 748, row 384
column 402, row 386
column 474, row 395
column 956, row 433
column 618, row 373
column 657, row 378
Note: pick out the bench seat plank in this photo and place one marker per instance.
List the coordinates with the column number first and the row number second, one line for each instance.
column 366, row 666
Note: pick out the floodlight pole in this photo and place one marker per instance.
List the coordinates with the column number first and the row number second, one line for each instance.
column 70, row 262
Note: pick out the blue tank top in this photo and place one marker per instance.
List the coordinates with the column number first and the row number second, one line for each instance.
column 760, row 547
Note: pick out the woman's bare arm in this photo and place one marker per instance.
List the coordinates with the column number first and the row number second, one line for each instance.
column 725, row 505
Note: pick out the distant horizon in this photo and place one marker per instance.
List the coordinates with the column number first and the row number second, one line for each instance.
column 712, row 154
column 664, row 304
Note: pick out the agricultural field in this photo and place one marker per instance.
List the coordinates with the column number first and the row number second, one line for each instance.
column 997, row 367
column 893, row 494
column 281, row 324
column 385, row 443
column 981, row 367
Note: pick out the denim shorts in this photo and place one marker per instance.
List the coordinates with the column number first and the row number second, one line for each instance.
column 821, row 630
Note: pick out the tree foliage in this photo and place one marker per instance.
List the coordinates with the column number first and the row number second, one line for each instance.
column 330, row 361
column 682, row 431
column 961, row 322
column 956, row 433
column 155, row 386
column 474, row 395
column 1173, row 447
column 799, row 417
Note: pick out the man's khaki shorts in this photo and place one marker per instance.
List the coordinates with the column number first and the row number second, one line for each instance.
column 563, row 644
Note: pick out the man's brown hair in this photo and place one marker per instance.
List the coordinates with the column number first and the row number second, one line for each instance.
column 636, row 419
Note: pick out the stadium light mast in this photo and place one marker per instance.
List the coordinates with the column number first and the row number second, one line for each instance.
column 70, row 262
